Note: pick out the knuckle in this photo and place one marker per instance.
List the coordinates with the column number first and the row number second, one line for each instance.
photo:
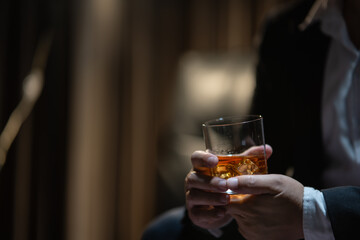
column 279, row 181
column 216, row 182
column 188, row 195
column 250, row 181
column 197, row 154
column 190, row 179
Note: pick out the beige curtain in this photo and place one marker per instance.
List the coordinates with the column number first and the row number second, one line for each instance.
column 112, row 135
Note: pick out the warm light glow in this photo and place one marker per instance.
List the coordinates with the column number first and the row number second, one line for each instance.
column 211, row 83
column 207, row 86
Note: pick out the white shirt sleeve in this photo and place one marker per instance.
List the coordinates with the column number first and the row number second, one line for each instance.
column 316, row 223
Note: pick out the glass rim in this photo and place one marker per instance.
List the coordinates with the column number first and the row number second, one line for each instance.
column 223, row 121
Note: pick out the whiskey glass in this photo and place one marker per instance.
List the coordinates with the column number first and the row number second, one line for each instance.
column 239, row 144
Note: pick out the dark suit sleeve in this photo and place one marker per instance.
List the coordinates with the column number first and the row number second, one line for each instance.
column 343, row 208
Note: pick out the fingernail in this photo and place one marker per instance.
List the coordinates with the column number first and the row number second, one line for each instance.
column 212, row 161
column 232, row 183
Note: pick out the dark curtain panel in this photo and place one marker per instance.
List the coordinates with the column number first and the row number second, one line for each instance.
column 32, row 182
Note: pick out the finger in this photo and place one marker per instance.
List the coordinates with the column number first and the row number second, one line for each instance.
column 203, row 182
column 259, row 150
column 257, row 184
column 268, row 151
column 195, row 197
column 203, row 159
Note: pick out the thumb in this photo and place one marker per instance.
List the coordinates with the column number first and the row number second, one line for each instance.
column 256, row 184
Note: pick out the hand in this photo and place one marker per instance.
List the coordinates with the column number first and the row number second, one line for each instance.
column 205, row 197
column 272, row 211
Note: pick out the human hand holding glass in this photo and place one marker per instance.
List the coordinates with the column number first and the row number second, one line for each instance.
column 206, row 187
column 273, row 210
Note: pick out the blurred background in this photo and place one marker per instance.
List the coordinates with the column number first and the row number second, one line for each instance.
column 123, row 88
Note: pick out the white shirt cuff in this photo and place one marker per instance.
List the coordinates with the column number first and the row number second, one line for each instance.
column 316, row 223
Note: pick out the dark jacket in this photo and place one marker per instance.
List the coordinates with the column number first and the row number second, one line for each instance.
column 289, row 78
column 343, row 208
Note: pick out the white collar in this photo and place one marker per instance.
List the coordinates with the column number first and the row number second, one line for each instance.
column 329, row 13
